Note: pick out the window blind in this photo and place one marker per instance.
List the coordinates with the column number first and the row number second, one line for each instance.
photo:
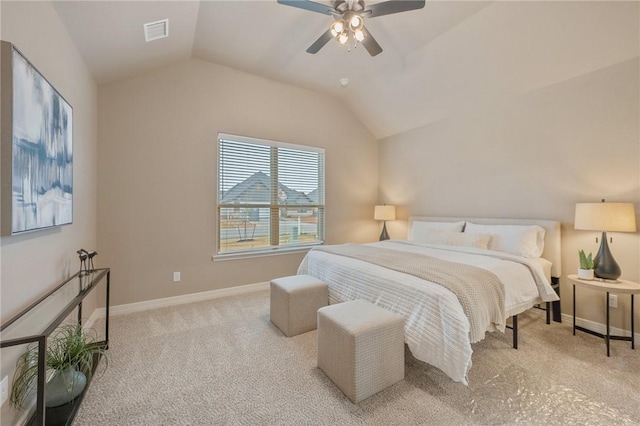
column 270, row 195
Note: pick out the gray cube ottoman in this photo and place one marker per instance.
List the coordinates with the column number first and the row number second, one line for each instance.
column 360, row 347
column 295, row 301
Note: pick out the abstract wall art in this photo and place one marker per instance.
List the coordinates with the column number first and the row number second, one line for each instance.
column 37, row 148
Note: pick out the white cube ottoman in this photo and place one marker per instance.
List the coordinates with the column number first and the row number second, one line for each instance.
column 360, row 347
column 295, row 301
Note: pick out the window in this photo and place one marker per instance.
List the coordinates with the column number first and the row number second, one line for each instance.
column 270, row 195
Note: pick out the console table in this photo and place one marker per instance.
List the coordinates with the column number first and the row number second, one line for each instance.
column 35, row 323
column 618, row 287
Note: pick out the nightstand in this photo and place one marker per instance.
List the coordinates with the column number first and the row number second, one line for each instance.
column 619, row 287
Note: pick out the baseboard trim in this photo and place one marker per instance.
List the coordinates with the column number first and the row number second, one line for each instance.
column 598, row 327
column 147, row 305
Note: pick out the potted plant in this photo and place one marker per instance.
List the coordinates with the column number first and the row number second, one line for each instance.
column 586, row 266
column 70, row 357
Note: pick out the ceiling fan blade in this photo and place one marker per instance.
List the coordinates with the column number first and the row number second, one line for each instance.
column 371, row 44
column 309, row 5
column 392, row 6
column 320, row 42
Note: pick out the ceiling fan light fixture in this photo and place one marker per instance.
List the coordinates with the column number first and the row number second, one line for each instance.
column 348, row 19
column 337, row 27
column 348, row 28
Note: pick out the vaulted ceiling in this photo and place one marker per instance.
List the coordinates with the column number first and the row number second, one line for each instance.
column 445, row 59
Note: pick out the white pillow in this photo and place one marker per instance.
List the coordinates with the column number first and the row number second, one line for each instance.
column 419, row 230
column 521, row 240
column 465, row 239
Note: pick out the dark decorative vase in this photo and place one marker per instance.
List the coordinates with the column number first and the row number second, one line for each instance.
column 384, row 235
column 604, row 265
column 65, row 386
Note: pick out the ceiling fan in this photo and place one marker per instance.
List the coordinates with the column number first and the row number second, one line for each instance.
column 348, row 26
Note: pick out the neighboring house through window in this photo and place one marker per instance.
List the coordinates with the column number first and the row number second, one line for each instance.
column 270, row 195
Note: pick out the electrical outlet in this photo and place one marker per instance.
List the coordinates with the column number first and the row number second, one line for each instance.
column 4, row 390
column 613, row 300
column 176, row 277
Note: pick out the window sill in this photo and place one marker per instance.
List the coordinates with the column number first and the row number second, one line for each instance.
column 265, row 253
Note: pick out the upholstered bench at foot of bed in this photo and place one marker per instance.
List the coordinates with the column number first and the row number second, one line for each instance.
column 360, row 347
column 295, row 301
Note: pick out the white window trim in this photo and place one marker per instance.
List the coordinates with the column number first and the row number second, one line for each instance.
column 279, row 251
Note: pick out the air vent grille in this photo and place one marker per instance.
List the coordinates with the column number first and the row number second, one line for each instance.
column 156, row 30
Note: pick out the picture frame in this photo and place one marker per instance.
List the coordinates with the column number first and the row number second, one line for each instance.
column 36, row 142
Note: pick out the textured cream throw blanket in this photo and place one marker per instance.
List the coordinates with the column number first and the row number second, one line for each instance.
column 480, row 292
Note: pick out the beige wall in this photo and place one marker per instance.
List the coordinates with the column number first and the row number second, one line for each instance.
column 157, row 173
column 532, row 156
column 33, row 263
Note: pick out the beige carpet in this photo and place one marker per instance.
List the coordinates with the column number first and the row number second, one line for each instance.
column 221, row 362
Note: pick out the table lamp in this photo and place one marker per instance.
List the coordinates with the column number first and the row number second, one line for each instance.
column 384, row 213
column 612, row 217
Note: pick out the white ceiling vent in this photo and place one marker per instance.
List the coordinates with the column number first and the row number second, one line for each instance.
column 156, row 30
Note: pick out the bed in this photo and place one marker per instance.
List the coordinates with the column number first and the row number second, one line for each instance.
column 443, row 319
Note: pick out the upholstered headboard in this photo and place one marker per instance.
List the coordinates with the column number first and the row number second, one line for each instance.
column 552, row 240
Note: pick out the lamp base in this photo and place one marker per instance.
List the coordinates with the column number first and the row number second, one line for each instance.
column 605, row 265
column 384, row 235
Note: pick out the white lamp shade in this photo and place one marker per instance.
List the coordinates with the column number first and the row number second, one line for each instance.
column 614, row 217
column 385, row 213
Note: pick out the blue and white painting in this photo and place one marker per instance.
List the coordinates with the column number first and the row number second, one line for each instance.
column 42, row 174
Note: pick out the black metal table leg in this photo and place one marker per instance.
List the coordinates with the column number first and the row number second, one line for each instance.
column 633, row 332
column 106, row 323
column 574, row 309
column 41, row 388
column 607, row 336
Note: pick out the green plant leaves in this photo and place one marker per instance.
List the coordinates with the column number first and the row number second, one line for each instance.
column 586, row 262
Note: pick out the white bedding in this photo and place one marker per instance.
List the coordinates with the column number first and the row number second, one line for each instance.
column 436, row 328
